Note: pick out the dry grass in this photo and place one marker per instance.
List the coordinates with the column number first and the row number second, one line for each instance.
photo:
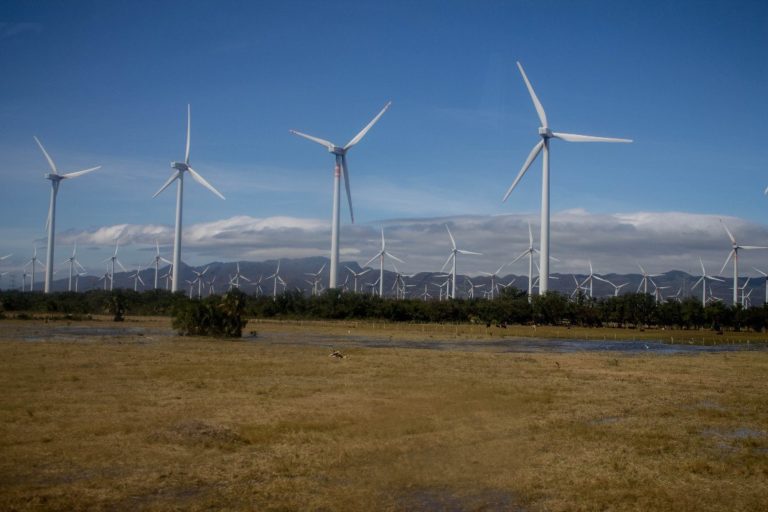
column 131, row 423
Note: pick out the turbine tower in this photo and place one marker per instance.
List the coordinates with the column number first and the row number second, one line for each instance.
column 381, row 254
column 55, row 179
column 34, row 262
column 340, row 154
column 543, row 145
column 180, row 169
column 735, row 255
column 156, row 260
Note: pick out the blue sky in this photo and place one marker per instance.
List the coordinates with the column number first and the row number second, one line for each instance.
column 107, row 83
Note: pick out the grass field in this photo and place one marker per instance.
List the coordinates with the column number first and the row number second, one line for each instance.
column 158, row 422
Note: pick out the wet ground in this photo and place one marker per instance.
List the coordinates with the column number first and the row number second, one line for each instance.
column 38, row 333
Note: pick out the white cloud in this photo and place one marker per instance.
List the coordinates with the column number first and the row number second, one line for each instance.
column 617, row 242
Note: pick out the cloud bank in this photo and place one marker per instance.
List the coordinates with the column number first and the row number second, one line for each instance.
column 660, row 241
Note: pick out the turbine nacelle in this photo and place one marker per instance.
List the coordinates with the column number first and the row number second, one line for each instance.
column 545, row 132
column 53, row 177
column 181, row 166
column 336, row 150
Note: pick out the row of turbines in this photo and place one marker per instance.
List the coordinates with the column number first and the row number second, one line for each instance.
column 341, row 171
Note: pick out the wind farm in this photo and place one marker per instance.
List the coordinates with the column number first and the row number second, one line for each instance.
column 463, row 338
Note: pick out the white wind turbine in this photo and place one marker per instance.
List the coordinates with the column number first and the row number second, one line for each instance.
column 452, row 257
column 381, row 254
column 72, row 260
column 547, row 134
column 355, row 275
column 616, row 288
column 735, row 255
column 156, row 260
column 315, row 279
column 766, row 283
column 137, row 279
column 55, row 179
column 590, row 278
column 340, row 154
column 528, row 252
column 235, row 280
column 34, row 262
column 275, row 276
column 180, row 169
column 494, row 276
column 703, row 281
column 113, row 259
column 199, row 280
column 644, row 281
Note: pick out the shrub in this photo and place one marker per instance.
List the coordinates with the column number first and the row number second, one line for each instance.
column 213, row 316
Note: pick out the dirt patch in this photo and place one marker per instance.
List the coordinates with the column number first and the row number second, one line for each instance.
column 199, row 433
column 445, row 500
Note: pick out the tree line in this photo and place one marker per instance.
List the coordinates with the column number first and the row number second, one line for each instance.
column 511, row 307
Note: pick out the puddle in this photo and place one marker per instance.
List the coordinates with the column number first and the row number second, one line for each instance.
column 35, row 333
column 78, row 333
column 507, row 345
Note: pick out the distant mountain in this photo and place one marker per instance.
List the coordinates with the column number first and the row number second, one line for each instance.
column 296, row 272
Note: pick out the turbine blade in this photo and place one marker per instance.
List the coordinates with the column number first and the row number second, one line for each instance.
column 120, row 265
column 530, row 236
column 357, row 138
column 446, row 262
column 572, row 137
column 536, row 102
column 752, row 247
column 703, row 271
column 201, row 180
column 394, row 257
column 323, row 142
column 453, row 242
column 189, row 132
column 758, row 270
column 461, row 251
column 47, row 156
column 531, row 157
column 371, row 260
column 521, row 255
column 730, row 235
column 730, row 254
column 167, row 183
column 80, row 173
column 345, row 172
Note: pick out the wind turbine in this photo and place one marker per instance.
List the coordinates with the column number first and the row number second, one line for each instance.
column 703, row 281
column 644, row 281
column 590, row 278
column 180, row 169
column 199, row 280
column 616, row 288
column 72, row 260
column 275, row 276
column 235, row 280
column 657, row 291
column 426, row 295
column 494, row 276
column 528, row 252
column 766, row 283
column 381, row 254
column 543, row 145
column 340, row 154
column 315, row 279
column 355, row 275
column 113, row 259
column 55, row 178
column 735, row 255
column 137, row 279
column 157, row 259
column 452, row 256
column 33, row 261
